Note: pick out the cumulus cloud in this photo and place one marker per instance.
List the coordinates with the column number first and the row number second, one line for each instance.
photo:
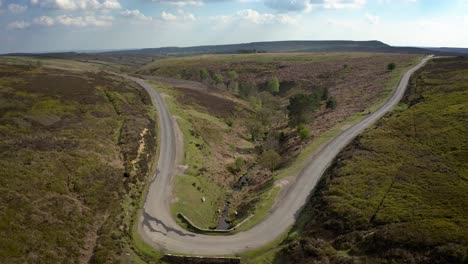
column 71, row 21
column 308, row 5
column 251, row 16
column 16, row 9
column 44, row 21
column 179, row 16
column 78, row 4
column 372, row 19
column 290, row 5
column 136, row 14
column 18, row 25
column 255, row 17
column 181, row 3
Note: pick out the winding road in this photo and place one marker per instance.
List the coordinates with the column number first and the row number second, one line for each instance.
column 158, row 228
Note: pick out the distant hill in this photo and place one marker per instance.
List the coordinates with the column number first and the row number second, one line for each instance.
column 451, row 50
column 282, row 46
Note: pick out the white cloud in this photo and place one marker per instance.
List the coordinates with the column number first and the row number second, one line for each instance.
column 83, row 21
column 255, row 17
column 16, row 9
column 179, row 16
column 70, row 21
column 44, row 21
column 78, row 4
column 373, row 19
column 290, row 5
column 135, row 14
column 308, row 5
column 18, row 25
column 181, row 3
column 342, row 4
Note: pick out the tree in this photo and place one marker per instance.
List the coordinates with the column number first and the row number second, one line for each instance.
column 234, row 86
column 218, row 78
column 391, row 66
column 256, row 129
column 300, row 105
column 303, row 132
column 269, row 101
column 270, row 159
column 233, row 75
column 331, row 102
column 246, row 90
column 204, row 74
column 274, row 85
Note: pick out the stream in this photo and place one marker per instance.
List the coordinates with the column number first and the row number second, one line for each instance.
column 222, row 223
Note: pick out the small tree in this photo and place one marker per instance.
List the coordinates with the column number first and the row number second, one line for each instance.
column 256, row 129
column 270, row 159
column 204, row 74
column 234, row 86
column 218, row 78
column 303, row 132
column 233, row 75
column 274, row 85
column 300, row 105
column 331, row 102
column 391, row 66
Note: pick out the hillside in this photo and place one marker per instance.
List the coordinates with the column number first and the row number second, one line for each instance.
column 279, row 47
column 398, row 193
column 75, row 147
column 243, row 156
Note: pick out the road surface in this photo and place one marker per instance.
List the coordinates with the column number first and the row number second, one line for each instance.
column 159, row 229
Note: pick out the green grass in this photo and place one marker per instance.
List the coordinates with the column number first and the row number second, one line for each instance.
column 193, row 185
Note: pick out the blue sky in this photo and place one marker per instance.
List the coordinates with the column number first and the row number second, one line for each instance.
column 58, row 25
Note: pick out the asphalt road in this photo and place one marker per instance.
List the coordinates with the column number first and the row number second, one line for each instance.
column 159, row 229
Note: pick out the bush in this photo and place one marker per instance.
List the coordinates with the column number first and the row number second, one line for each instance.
column 391, row 66
column 218, row 78
column 270, row 159
column 237, row 166
column 331, row 102
column 301, row 106
column 229, row 121
column 233, row 75
column 204, row 74
column 303, row 132
column 274, row 85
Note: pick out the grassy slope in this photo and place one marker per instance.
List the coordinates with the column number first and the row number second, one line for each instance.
column 67, row 140
column 199, row 129
column 399, row 192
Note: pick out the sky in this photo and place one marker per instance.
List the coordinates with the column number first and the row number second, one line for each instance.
column 80, row 25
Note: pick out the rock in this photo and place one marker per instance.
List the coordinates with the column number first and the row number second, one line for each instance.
column 203, row 199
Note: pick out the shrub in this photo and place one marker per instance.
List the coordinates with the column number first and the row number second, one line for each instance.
column 204, row 74
column 270, row 159
column 237, row 166
column 331, row 102
column 218, row 78
column 391, row 66
column 303, row 132
column 274, row 85
column 229, row 121
column 233, row 75
column 300, row 105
